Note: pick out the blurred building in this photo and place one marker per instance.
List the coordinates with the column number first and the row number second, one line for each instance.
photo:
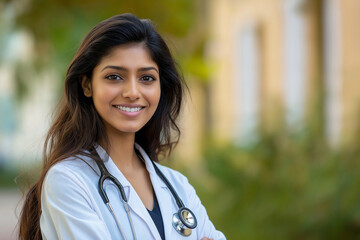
column 275, row 63
column 284, row 63
column 26, row 95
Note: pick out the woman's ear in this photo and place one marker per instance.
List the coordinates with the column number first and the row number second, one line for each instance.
column 86, row 86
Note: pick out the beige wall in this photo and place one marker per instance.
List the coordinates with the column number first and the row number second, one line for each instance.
column 192, row 124
column 350, row 19
column 226, row 19
column 231, row 18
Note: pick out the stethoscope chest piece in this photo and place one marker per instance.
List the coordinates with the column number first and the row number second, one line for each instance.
column 183, row 221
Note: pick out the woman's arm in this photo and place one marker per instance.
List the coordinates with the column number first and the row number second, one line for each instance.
column 205, row 229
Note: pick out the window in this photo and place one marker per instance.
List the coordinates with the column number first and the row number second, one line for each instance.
column 332, row 73
column 295, row 72
column 247, row 84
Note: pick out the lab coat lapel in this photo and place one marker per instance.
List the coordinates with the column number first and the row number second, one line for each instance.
column 165, row 203
column 162, row 192
column 138, row 207
column 134, row 201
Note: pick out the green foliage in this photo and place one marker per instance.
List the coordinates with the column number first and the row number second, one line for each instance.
column 196, row 66
column 8, row 178
column 285, row 186
column 19, row 178
column 58, row 26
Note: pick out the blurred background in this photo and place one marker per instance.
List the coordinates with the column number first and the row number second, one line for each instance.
column 271, row 130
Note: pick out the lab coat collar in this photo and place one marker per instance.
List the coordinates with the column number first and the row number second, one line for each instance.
column 162, row 192
column 109, row 163
column 102, row 153
column 112, row 168
column 150, row 167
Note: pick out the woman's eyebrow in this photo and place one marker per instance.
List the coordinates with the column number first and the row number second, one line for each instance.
column 144, row 69
column 114, row 67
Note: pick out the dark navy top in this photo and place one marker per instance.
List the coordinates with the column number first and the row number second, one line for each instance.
column 157, row 217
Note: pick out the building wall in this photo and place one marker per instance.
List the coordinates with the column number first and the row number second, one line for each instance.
column 350, row 66
column 234, row 18
column 23, row 121
column 284, row 61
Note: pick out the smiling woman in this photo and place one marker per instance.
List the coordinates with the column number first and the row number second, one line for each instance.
column 122, row 97
column 125, row 88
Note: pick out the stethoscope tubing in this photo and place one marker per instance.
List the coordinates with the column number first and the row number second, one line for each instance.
column 172, row 190
column 104, row 175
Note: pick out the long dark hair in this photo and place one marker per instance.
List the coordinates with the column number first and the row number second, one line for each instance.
column 78, row 127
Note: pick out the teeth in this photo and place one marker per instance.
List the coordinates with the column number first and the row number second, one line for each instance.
column 128, row 109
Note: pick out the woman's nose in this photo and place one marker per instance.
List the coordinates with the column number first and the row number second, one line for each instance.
column 131, row 89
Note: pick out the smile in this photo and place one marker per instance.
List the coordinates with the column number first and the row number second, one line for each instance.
column 128, row 109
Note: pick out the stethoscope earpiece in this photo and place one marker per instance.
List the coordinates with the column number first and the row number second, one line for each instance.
column 183, row 221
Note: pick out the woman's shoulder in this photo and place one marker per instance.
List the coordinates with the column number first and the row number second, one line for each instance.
column 71, row 168
column 173, row 175
column 68, row 184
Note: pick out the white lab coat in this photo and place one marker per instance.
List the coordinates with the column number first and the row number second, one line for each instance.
column 72, row 207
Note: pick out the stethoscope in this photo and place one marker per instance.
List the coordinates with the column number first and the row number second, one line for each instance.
column 183, row 220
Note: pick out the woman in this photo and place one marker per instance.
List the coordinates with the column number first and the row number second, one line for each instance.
column 123, row 94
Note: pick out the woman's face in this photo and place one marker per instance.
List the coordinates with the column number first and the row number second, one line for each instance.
column 125, row 88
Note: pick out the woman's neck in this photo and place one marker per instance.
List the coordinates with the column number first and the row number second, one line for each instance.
column 121, row 150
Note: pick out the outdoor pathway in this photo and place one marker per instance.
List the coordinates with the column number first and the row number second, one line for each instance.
column 9, row 211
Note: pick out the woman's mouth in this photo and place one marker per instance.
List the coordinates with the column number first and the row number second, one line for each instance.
column 128, row 109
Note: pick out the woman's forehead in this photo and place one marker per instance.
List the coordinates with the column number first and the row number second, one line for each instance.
column 128, row 56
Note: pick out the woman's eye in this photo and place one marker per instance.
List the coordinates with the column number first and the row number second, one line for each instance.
column 113, row 77
column 147, row 78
